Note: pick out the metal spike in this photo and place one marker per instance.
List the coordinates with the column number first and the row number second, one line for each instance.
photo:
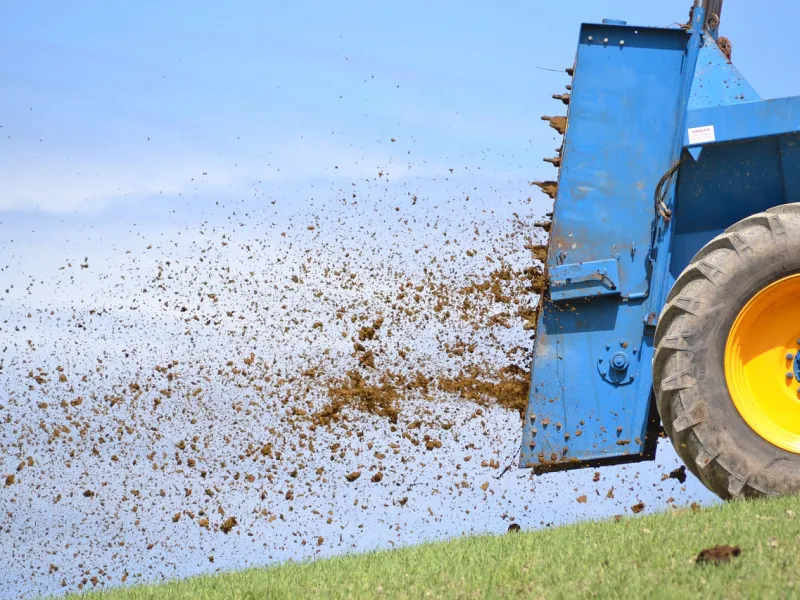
column 548, row 187
column 571, row 71
column 563, row 97
column 557, row 123
column 556, row 162
column 569, row 87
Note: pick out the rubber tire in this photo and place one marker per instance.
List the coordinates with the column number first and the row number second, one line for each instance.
column 697, row 412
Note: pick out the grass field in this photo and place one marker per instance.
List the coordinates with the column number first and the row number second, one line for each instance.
column 635, row 557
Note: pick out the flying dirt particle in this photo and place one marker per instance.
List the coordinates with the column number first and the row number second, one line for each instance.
column 367, row 360
column 582, row 499
column 718, row 555
column 679, row 474
column 596, row 476
column 507, row 386
column 695, row 507
column 637, row 508
column 513, row 528
column 228, row 524
column 432, row 444
column 353, row 476
column 366, row 333
column 379, row 399
column 203, row 522
column 377, row 477
column 539, row 252
column 88, row 494
column 10, row 479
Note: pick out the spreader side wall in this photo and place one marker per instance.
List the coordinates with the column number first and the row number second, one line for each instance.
column 619, row 142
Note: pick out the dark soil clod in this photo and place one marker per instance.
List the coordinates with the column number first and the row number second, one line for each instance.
column 514, row 527
column 718, row 555
column 228, row 524
column 679, row 474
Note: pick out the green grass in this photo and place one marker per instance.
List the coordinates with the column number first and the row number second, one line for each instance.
column 647, row 557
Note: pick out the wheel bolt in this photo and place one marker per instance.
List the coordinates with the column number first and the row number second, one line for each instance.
column 789, row 356
column 789, row 375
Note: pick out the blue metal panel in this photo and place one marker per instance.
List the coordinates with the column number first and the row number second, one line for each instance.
column 790, row 164
column 746, row 121
column 684, row 247
column 628, row 95
column 728, row 183
column 665, row 226
column 716, row 81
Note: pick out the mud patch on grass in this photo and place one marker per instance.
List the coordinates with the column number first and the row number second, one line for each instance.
column 718, row 555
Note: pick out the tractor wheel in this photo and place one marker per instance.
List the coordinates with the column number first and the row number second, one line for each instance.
column 726, row 368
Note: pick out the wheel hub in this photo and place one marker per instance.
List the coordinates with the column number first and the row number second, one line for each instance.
column 762, row 364
column 797, row 365
column 617, row 364
column 619, row 361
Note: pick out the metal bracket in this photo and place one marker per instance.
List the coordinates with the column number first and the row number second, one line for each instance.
column 584, row 280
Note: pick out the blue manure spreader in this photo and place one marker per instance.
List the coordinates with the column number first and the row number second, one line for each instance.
column 673, row 298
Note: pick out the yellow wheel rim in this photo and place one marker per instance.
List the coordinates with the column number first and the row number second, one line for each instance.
column 762, row 369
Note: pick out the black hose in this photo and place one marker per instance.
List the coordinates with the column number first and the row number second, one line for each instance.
column 662, row 189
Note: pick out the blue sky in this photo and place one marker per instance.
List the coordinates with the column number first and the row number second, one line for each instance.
column 370, row 137
column 119, row 103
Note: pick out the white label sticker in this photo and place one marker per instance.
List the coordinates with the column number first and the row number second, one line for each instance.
column 701, row 135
